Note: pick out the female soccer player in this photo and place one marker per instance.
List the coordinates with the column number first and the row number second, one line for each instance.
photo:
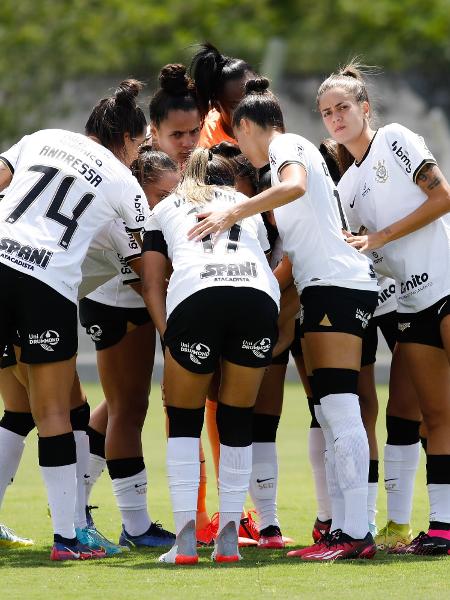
column 400, row 196
column 175, row 119
column 119, row 324
column 222, row 306
column 62, row 188
column 338, row 294
column 219, row 81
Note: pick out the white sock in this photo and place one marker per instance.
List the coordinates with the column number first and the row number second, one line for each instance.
column 400, row 467
column 372, row 502
column 334, row 491
column 11, row 450
column 82, row 445
column 439, row 496
column 183, row 472
column 235, row 467
column 343, row 413
column 317, row 448
column 264, row 483
column 97, row 465
column 61, row 484
column 131, row 498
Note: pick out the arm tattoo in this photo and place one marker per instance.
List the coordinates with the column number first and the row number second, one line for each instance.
column 427, row 176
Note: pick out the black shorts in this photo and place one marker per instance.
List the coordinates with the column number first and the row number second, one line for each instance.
column 43, row 319
column 387, row 324
column 107, row 325
column 423, row 327
column 237, row 324
column 8, row 358
column 295, row 348
column 337, row 309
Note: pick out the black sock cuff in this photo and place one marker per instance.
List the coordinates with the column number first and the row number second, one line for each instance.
column 424, row 443
column 373, row 471
column 119, row 468
column 59, row 539
column 265, row 427
column 17, row 422
column 234, row 425
column 96, row 442
column 314, row 422
column 185, row 422
column 79, row 417
column 438, row 468
column 334, row 381
column 440, row 525
column 401, row 432
column 57, row 450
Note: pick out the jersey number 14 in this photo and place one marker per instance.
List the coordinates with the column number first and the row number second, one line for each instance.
column 70, row 224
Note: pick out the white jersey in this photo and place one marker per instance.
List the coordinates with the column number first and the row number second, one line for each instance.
column 65, row 188
column 105, row 269
column 311, row 226
column 381, row 190
column 235, row 259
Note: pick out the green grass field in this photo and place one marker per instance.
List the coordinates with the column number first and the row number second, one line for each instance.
column 29, row 574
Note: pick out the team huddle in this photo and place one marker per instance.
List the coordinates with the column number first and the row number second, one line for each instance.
column 238, row 244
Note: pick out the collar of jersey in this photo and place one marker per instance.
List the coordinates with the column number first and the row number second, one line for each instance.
column 358, row 164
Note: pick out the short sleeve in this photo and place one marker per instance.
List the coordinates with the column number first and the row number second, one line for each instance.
column 153, row 237
column 262, row 234
column 348, row 191
column 11, row 157
column 284, row 150
column 133, row 207
column 408, row 149
column 123, row 241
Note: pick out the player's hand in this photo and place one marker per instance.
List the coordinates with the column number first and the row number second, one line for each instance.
column 371, row 241
column 211, row 223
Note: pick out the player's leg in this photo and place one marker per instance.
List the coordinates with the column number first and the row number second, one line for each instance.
column 333, row 332
column 424, row 343
column 15, row 424
column 96, row 431
column 185, row 393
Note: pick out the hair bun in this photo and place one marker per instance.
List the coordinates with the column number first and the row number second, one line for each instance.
column 351, row 70
column 174, row 80
column 257, row 86
column 128, row 90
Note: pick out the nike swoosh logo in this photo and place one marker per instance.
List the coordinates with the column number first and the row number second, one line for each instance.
column 439, row 311
column 138, row 485
column 352, row 204
column 393, row 479
column 87, row 476
column 261, row 480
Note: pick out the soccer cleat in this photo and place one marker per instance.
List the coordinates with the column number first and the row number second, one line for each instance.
column 425, row 545
column 393, row 536
column 248, row 527
column 184, row 551
column 76, row 552
column 270, row 537
column 342, row 547
column 314, row 548
column 320, row 528
column 226, row 546
column 96, row 541
column 10, row 539
column 154, row 537
column 207, row 535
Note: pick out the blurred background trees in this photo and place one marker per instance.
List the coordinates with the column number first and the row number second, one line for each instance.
column 46, row 43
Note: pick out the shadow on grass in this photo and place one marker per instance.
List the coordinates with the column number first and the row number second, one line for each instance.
column 25, row 558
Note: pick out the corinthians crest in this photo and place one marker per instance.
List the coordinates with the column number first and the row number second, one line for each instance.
column 381, row 173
